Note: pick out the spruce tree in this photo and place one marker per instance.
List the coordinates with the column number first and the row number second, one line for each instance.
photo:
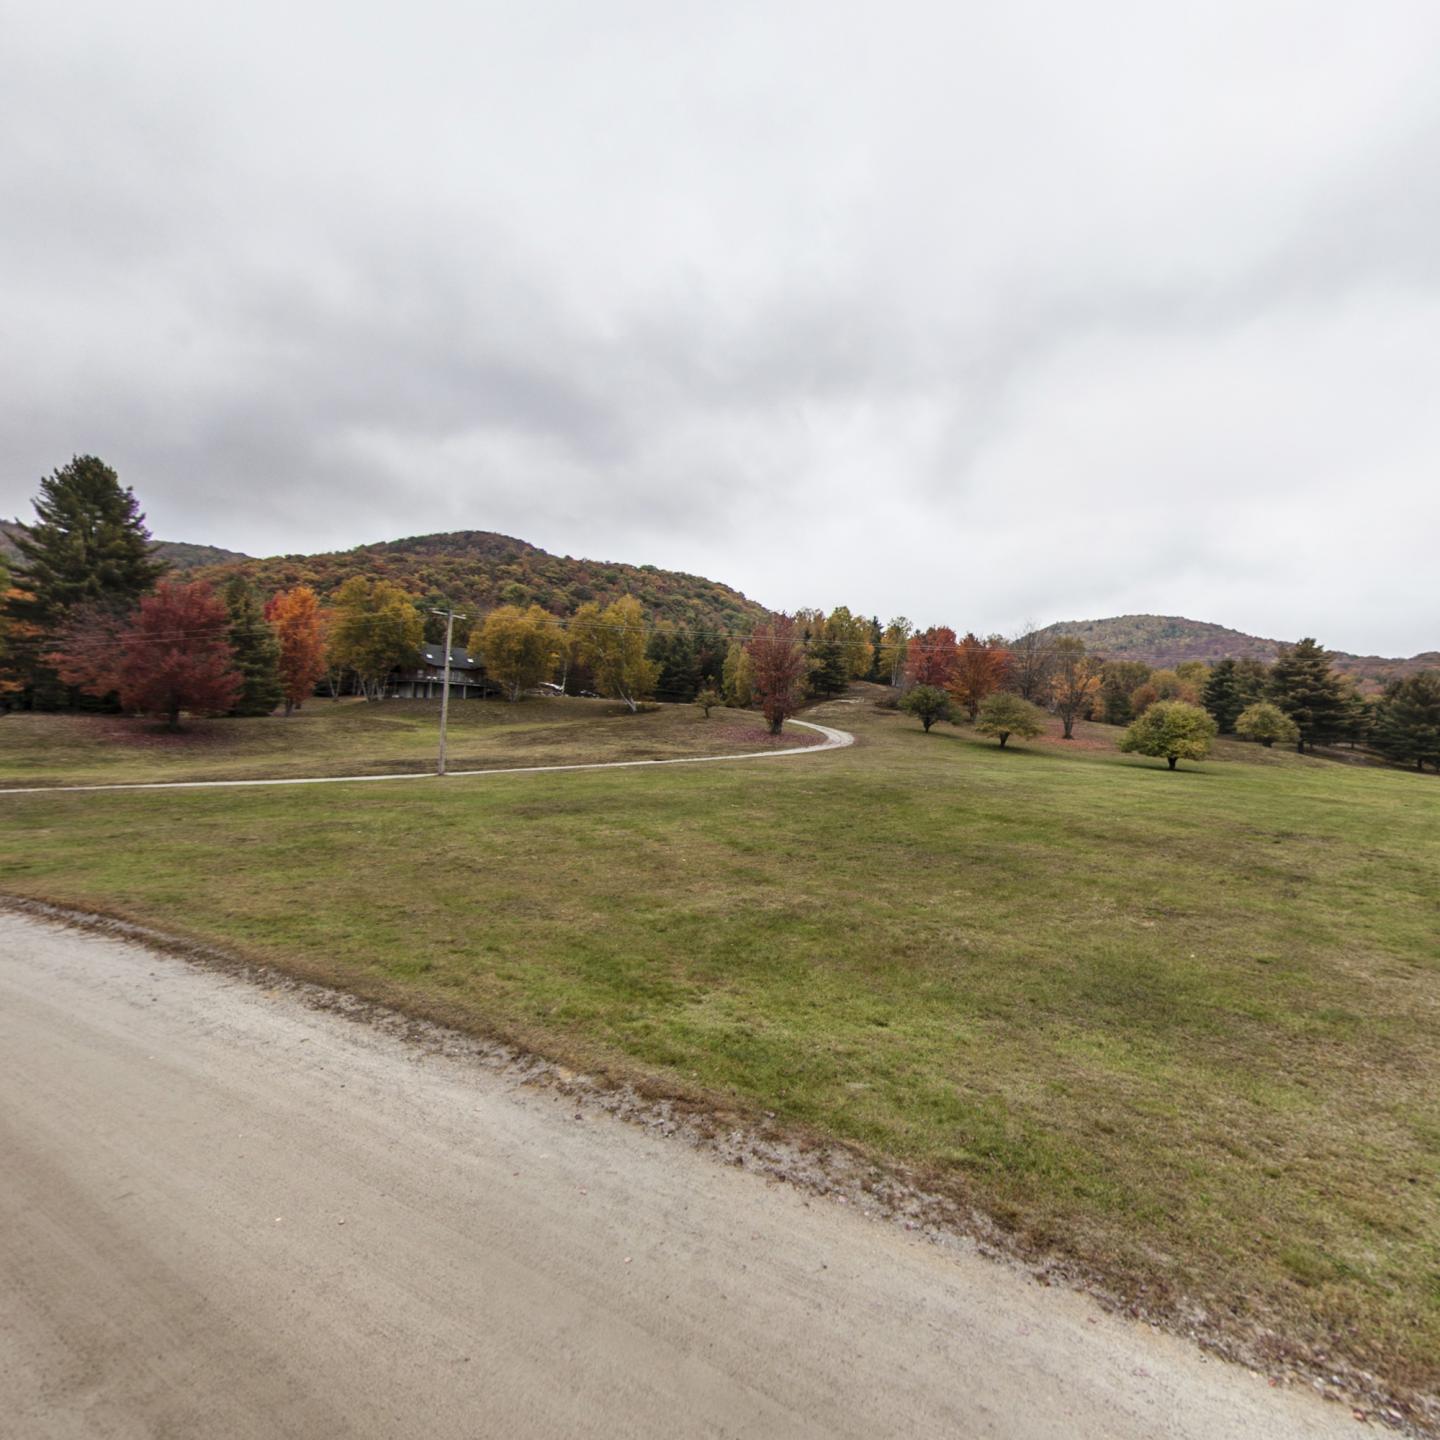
column 257, row 650
column 1407, row 721
column 88, row 546
column 1307, row 689
column 1222, row 697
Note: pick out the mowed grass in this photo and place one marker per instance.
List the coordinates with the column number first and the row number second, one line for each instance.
column 1184, row 1027
column 355, row 738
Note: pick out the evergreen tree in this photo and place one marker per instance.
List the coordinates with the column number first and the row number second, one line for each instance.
column 1222, row 696
column 1119, row 679
column 1252, row 681
column 257, row 650
column 1305, row 686
column 829, row 666
column 1407, row 721
column 679, row 675
column 88, row 547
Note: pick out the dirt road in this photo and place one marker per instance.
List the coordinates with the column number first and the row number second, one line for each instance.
column 223, row 1213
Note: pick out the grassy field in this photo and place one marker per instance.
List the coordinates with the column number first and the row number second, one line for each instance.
column 1184, row 1027
column 354, row 738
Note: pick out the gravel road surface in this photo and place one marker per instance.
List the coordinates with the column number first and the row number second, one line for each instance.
column 224, row 1213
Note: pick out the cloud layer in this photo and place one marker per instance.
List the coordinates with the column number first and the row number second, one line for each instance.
column 970, row 313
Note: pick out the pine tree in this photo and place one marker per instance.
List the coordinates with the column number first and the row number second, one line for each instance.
column 1222, row 697
column 1407, row 721
column 88, row 547
column 1307, row 689
column 257, row 650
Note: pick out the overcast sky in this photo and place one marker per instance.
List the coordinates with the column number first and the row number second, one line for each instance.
column 968, row 312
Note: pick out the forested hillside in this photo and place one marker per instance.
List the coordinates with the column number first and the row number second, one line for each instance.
column 1168, row 640
column 477, row 570
column 176, row 553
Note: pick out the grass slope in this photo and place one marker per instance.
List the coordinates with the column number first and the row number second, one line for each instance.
column 1183, row 1026
column 354, row 738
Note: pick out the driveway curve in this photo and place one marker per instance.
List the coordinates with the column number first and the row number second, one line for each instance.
column 830, row 739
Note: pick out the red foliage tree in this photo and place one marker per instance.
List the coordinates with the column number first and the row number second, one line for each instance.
column 778, row 668
column 170, row 654
column 295, row 616
column 931, row 657
column 980, row 670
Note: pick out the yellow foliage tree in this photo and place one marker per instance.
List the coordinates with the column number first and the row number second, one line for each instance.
column 520, row 647
column 612, row 643
column 375, row 629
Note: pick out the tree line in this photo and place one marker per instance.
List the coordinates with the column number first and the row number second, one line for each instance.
column 90, row 618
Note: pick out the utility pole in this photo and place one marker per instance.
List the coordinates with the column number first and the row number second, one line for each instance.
column 450, row 619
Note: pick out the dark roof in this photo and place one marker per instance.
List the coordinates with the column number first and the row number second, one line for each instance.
column 460, row 658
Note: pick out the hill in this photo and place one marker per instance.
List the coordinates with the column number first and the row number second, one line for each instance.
column 477, row 569
column 1162, row 640
column 177, row 553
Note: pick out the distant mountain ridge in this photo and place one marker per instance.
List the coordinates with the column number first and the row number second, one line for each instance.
column 1166, row 640
column 174, row 552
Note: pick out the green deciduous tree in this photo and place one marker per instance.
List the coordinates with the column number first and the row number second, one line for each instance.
column 1173, row 730
column 520, row 647
column 927, row 703
column 1303, row 683
column 1004, row 715
column 257, row 650
column 1266, row 723
column 612, row 643
column 707, row 699
column 375, row 628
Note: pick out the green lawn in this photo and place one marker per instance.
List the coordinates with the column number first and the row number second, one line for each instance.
column 1185, row 1027
column 354, row 738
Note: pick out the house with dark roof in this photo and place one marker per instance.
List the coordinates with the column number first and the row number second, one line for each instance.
column 427, row 681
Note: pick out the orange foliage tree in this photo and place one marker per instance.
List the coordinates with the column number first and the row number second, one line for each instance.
column 930, row 658
column 980, row 670
column 295, row 615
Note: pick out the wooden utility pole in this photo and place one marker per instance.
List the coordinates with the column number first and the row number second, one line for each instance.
column 450, row 619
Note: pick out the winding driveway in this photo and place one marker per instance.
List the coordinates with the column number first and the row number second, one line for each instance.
column 830, row 740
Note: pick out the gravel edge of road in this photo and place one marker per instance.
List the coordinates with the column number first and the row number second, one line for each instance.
column 820, row 1167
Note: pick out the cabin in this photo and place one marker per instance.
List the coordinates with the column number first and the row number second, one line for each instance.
column 467, row 677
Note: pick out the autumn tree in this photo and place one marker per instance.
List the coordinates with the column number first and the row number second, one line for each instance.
column 88, row 547
column 707, row 699
column 1266, row 723
column 927, row 703
column 980, row 669
column 257, row 650
column 1032, row 661
column 930, row 658
column 1074, row 680
column 1004, row 714
column 777, row 669
column 738, row 676
column 1407, row 721
column 1172, row 730
column 612, row 643
column 519, row 646
column 1303, row 683
column 375, row 628
column 171, row 654
column 299, row 631
column 1119, row 679
column 851, row 635
column 895, row 650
